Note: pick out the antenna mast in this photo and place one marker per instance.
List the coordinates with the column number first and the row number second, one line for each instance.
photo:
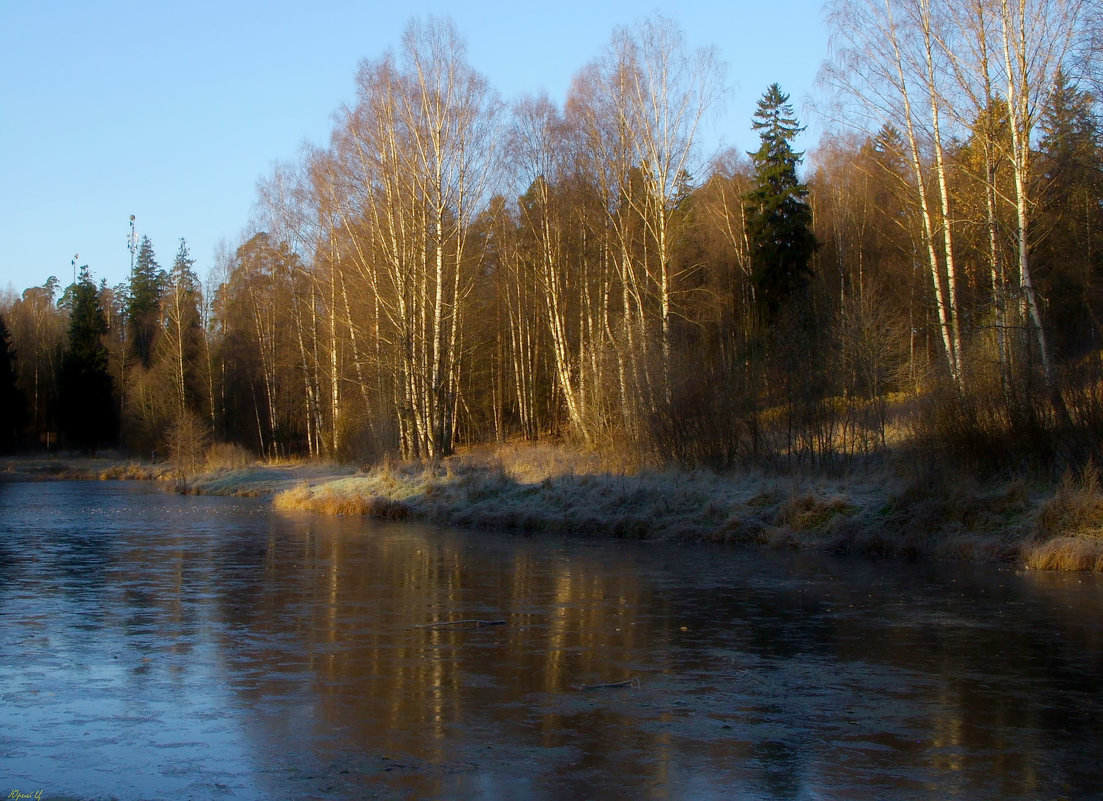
column 132, row 243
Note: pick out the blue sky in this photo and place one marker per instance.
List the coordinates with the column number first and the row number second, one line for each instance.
column 173, row 111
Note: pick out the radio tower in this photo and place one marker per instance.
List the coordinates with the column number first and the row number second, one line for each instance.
column 132, row 243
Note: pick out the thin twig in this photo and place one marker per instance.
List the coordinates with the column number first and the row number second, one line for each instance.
column 478, row 624
column 634, row 683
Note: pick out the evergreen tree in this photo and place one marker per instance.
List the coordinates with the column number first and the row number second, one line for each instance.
column 779, row 222
column 1069, row 251
column 12, row 410
column 183, row 335
column 86, row 409
column 143, row 302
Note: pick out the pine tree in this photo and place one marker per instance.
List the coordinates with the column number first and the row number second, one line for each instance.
column 12, row 408
column 86, row 409
column 142, row 308
column 779, row 223
column 1069, row 254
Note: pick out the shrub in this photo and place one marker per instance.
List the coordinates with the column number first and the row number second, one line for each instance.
column 186, row 441
column 227, row 456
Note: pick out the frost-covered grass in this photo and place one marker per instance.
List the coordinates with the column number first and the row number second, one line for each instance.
column 1069, row 532
column 877, row 512
column 69, row 467
column 541, row 490
column 548, row 488
column 259, row 479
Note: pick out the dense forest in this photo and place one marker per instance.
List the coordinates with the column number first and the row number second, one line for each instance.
column 452, row 269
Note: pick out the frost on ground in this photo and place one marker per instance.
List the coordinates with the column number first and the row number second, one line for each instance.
column 542, row 489
column 548, row 488
column 263, row 479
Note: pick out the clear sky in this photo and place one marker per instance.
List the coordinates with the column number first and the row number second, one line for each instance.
column 172, row 111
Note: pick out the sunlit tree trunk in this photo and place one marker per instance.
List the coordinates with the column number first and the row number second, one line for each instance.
column 943, row 302
column 418, row 156
column 1036, row 37
column 925, row 19
column 882, row 59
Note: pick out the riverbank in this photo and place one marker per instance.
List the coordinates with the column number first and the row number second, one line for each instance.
column 65, row 467
column 874, row 512
column 552, row 489
column 238, row 477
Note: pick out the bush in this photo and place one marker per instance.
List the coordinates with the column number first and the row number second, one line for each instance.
column 186, row 441
column 227, row 456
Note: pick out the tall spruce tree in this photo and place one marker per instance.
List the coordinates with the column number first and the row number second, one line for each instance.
column 1069, row 248
column 86, row 409
column 142, row 307
column 779, row 220
column 12, row 408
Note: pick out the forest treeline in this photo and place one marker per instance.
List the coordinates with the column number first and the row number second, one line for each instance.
column 452, row 269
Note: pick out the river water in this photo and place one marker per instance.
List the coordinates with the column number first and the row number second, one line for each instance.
column 155, row 646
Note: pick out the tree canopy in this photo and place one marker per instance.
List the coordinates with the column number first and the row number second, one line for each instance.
column 779, row 223
column 87, row 408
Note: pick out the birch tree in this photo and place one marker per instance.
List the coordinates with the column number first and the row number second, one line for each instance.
column 638, row 110
column 181, row 344
column 669, row 90
column 968, row 58
column 1036, row 37
column 419, row 156
column 541, row 151
column 38, row 328
column 889, row 67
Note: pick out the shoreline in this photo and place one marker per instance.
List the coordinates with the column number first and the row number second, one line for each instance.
column 40, row 467
column 546, row 489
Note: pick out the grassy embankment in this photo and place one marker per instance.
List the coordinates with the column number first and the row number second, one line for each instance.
column 107, row 467
column 227, row 470
column 547, row 489
column 544, row 488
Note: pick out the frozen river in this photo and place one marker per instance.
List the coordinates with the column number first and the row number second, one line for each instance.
column 155, row 646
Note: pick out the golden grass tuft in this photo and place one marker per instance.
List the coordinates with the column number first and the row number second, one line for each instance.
column 1069, row 526
column 1064, row 553
column 227, row 456
column 806, row 512
column 134, row 472
column 1076, row 508
column 304, row 499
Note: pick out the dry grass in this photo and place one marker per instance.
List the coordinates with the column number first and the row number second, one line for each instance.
column 541, row 490
column 227, row 456
column 1064, row 553
column 1069, row 525
column 82, row 468
column 559, row 490
column 330, row 503
column 1076, row 508
column 529, row 463
column 262, row 479
column 492, row 492
column 805, row 511
column 136, row 471
column 545, row 488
